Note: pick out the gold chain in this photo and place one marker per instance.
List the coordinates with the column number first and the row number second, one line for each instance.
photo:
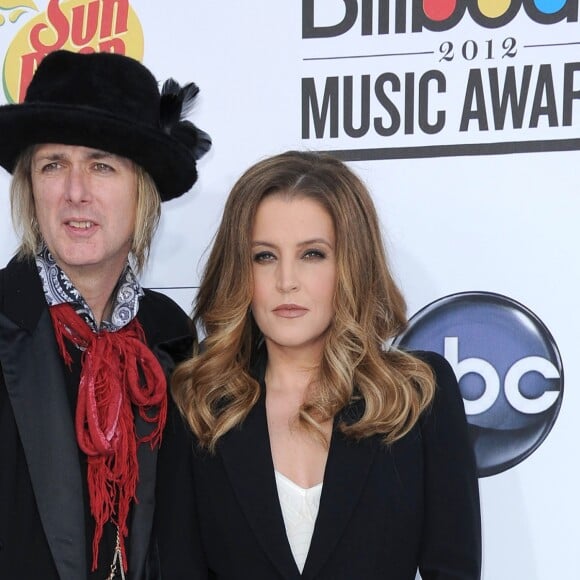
column 117, row 560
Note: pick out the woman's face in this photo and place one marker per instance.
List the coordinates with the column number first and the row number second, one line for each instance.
column 294, row 271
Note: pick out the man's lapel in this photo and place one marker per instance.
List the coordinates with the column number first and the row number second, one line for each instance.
column 35, row 383
column 143, row 509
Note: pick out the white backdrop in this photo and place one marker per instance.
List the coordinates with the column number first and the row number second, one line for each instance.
column 503, row 223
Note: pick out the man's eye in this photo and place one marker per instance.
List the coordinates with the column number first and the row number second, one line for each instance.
column 103, row 168
column 49, row 167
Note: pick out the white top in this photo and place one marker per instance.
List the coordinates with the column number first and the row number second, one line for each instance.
column 299, row 509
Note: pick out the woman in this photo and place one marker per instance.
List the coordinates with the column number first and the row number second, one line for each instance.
column 316, row 452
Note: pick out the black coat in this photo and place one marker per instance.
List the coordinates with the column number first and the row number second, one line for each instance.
column 385, row 511
column 42, row 502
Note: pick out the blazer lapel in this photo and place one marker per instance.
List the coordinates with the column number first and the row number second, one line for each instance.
column 347, row 469
column 35, row 384
column 248, row 461
column 143, row 509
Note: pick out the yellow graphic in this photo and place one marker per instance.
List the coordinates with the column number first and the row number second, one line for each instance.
column 494, row 8
column 15, row 9
column 76, row 25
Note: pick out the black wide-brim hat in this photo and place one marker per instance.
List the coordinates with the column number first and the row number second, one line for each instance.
column 109, row 102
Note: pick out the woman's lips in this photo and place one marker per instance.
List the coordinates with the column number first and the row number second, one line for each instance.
column 290, row 310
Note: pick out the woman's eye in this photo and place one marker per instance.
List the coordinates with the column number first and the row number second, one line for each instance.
column 314, row 254
column 262, row 257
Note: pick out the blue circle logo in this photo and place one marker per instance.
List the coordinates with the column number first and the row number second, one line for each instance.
column 508, row 367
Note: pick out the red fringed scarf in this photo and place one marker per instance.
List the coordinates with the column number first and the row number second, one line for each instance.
column 118, row 373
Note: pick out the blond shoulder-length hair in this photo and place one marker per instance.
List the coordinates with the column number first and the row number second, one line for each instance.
column 26, row 224
column 215, row 390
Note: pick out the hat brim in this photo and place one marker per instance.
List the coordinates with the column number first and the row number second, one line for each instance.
column 171, row 165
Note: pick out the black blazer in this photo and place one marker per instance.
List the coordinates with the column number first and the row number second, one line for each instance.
column 384, row 511
column 42, row 511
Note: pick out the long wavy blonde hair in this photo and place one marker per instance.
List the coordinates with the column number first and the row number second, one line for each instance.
column 215, row 390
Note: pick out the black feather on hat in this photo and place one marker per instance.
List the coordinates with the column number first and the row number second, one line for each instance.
column 110, row 102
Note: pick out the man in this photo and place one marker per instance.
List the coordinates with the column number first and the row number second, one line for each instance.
column 94, row 149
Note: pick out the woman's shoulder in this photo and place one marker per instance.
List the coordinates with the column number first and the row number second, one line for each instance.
column 439, row 365
column 447, row 411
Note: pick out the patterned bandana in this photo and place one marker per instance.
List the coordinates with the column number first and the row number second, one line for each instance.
column 120, row 376
column 58, row 289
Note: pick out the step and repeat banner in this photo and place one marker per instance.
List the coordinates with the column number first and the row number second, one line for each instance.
column 463, row 118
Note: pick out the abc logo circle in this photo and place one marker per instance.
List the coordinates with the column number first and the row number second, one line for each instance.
column 508, row 366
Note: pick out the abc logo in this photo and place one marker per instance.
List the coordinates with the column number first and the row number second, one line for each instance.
column 508, row 367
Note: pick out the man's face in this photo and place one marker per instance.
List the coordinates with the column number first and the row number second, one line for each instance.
column 86, row 203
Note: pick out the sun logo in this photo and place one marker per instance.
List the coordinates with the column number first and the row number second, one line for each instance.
column 75, row 25
column 15, row 9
